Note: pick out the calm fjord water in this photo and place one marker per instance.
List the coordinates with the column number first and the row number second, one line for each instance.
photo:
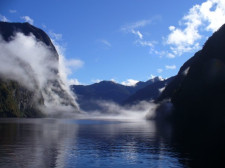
column 63, row 143
column 83, row 143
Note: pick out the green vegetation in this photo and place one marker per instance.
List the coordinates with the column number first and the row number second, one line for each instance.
column 16, row 101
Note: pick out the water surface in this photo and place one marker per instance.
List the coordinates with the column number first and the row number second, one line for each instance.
column 63, row 143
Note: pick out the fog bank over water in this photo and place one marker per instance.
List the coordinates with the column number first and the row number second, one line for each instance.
column 111, row 110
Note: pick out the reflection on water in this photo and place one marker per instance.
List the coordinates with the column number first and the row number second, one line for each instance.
column 40, row 143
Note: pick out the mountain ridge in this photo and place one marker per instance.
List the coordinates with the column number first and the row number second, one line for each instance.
column 89, row 96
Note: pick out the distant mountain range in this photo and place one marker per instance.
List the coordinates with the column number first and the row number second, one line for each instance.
column 89, row 96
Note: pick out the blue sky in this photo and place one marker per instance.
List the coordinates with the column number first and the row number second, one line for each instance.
column 121, row 40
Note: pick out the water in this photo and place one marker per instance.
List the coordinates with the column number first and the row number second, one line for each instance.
column 63, row 143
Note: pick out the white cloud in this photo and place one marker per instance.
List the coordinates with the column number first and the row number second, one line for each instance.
column 12, row 11
column 3, row 18
column 66, row 66
column 55, row 36
column 170, row 67
column 74, row 64
column 28, row 19
column 105, row 42
column 164, row 53
column 150, row 44
column 171, row 28
column 146, row 43
column 159, row 70
column 152, row 76
column 96, row 80
column 216, row 16
column 133, row 26
column 210, row 15
column 73, row 82
column 113, row 80
column 169, row 55
column 130, row 82
column 138, row 33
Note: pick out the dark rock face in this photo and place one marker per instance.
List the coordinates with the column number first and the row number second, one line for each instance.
column 17, row 100
column 198, row 90
column 8, row 30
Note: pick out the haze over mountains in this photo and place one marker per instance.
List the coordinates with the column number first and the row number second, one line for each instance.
column 89, row 97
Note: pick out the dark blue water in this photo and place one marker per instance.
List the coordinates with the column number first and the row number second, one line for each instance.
column 59, row 143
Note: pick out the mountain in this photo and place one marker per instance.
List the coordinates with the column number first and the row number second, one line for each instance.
column 198, row 90
column 30, row 83
column 89, row 96
column 149, row 92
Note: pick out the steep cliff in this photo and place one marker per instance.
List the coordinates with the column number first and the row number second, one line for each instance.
column 198, row 90
column 30, row 83
column 17, row 101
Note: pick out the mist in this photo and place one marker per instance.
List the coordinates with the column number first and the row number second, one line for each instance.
column 112, row 110
column 34, row 65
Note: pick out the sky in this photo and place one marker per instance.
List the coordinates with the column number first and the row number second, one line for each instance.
column 121, row 40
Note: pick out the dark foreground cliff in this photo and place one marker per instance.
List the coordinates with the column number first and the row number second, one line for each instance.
column 198, row 91
column 197, row 105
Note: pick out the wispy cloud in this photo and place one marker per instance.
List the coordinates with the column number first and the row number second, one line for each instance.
column 130, row 82
column 55, row 36
column 105, row 42
column 146, row 43
column 170, row 55
column 171, row 67
column 138, row 33
column 133, row 27
column 208, row 16
column 136, row 28
column 12, row 11
column 151, row 76
column 113, row 80
column 28, row 19
column 74, row 82
column 3, row 18
column 96, row 80
column 159, row 70
column 74, row 64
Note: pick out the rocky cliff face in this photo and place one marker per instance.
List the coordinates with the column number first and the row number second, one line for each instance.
column 29, row 71
column 198, row 90
column 17, row 101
